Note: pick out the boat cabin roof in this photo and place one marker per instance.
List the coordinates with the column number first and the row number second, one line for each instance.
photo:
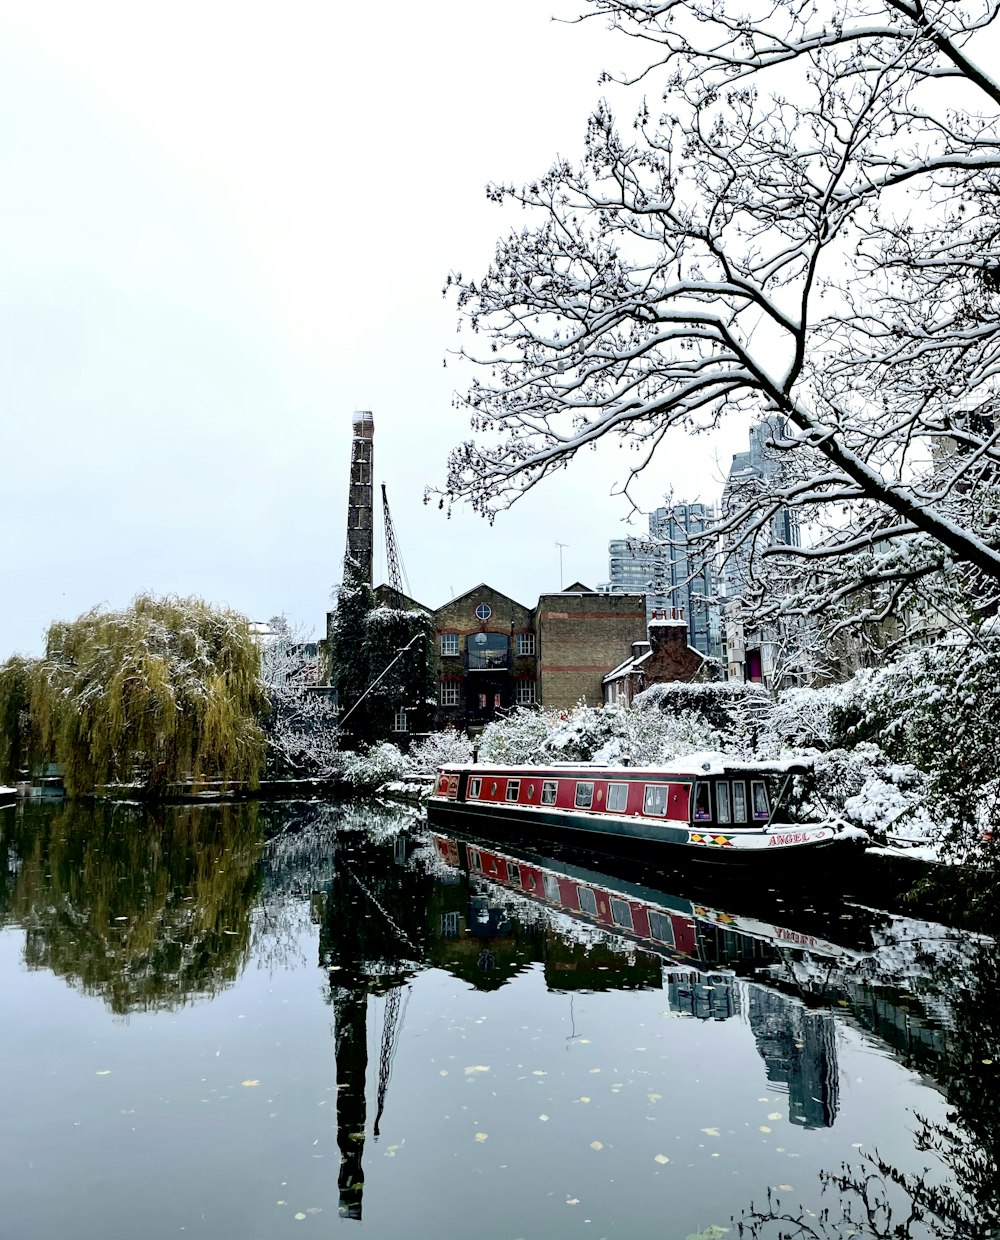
column 694, row 766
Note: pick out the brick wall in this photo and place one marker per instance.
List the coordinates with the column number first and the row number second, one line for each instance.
column 581, row 637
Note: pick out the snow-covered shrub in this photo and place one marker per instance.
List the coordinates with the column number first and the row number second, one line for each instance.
column 868, row 788
column 802, row 718
column 432, row 751
column 739, row 713
column 373, row 768
column 939, row 709
column 518, row 738
column 595, row 734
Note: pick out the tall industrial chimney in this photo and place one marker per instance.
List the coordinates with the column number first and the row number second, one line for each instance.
column 360, row 510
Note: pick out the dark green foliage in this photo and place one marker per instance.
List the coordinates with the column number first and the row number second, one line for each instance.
column 939, row 709
column 15, row 718
column 364, row 640
column 724, row 706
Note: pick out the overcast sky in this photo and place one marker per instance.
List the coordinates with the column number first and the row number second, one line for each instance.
column 224, row 228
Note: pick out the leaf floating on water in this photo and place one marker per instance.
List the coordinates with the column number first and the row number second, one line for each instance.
column 786, row 1188
column 249, row 1084
column 482, row 1136
column 478, row 1067
column 584, row 1041
column 104, row 1072
column 443, row 1072
column 775, row 1115
column 544, row 1119
column 597, row 1145
column 711, row 1132
column 538, row 1072
column 315, row 1210
column 572, row 1201
column 584, row 1098
column 654, row 1097
column 710, row 1233
column 987, row 1062
column 300, row 1216
column 661, row 1158
column 764, row 1128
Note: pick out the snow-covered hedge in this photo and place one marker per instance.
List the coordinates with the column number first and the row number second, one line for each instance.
column 432, row 751
column 373, row 768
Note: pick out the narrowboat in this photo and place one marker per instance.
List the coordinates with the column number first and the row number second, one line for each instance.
column 684, row 930
column 704, row 807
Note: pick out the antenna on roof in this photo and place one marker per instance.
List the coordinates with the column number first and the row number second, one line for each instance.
column 560, row 546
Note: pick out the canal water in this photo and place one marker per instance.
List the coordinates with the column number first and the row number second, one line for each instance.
column 260, row 1021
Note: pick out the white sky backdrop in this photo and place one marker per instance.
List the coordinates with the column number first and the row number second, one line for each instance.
column 223, row 228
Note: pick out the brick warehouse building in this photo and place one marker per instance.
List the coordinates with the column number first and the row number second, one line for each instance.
column 492, row 652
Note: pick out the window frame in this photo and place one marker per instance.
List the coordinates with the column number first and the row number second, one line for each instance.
column 475, row 788
column 450, row 689
column 723, row 803
column 524, row 644
column 739, row 787
column 619, row 909
column 450, row 638
column 659, row 792
column 580, row 785
column 616, row 789
column 759, row 815
column 513, row 785
column 550, row 788
column 700, row 815
column 585, row 896
column 524, row 692
column 399, row 721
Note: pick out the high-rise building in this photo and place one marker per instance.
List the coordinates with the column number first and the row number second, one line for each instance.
column 751, row 653
column 674, row 570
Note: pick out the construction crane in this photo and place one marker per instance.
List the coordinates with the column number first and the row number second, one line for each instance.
column 395, row 568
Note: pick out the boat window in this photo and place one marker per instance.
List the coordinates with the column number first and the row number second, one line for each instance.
column 531, row 792
column 475, row 787
column 661, row 927
column 758, row 793
column 622, row 913
column 739, row 801
column 702, row 801
column 513, row 789
column 548, row 792
column 493, row 788
column 654, row 800
column 587, row 899
column 723, row 807
column 513, row 874
column 475, row 861
column 551, row 884
column 617, row 797
column 584, row 796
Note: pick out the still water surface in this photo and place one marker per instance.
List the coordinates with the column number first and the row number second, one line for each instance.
column 311, row 1020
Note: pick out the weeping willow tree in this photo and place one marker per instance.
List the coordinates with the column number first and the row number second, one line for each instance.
column 164, row 690
column 15, row 716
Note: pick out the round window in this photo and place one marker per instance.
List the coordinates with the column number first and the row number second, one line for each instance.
column 484, row 611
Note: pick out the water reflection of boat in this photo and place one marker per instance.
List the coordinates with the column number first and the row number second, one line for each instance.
column 702, row 809
column 681, row 929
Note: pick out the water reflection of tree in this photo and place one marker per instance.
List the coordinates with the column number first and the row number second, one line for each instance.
column 144, row 910
column 957, row 1196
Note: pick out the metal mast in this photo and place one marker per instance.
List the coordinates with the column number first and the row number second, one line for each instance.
column 392, row 555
